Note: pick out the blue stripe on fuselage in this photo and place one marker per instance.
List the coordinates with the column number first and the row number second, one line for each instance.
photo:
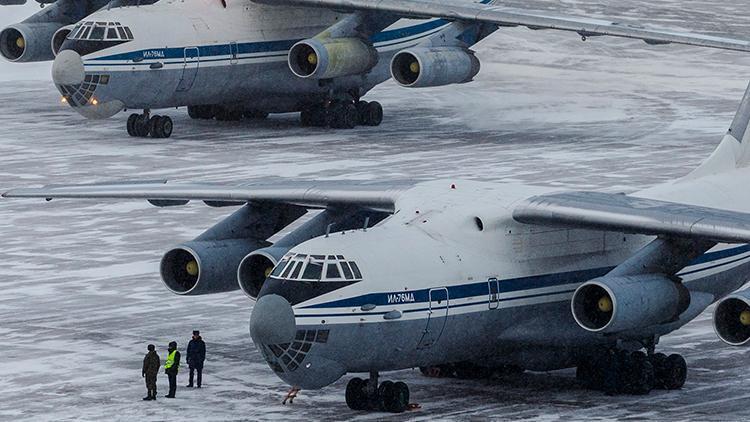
column 516, row 284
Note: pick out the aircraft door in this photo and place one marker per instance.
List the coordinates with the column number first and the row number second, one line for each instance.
column 189, row 69
column 437, row 316
column 493, row 286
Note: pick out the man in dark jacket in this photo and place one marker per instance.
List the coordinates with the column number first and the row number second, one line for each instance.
column 196, row 354
column 171, row 367
column 151, row 364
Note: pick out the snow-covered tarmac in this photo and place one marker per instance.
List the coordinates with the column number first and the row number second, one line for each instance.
column 80, row 295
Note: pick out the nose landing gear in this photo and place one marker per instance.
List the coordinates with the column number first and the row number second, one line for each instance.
column 143, row 125
column 368, row 395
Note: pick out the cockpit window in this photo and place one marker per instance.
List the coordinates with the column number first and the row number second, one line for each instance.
column 316, row 268
column 100, row 31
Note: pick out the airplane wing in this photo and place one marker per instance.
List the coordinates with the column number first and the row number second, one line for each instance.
column 623, row 213
column 502, row 16
column 375, row 197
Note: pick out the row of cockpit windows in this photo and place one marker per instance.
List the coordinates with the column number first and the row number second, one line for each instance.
column 316, row 268
column 101, row 31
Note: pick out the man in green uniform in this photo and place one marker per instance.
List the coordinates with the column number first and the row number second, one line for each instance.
column 171, row 367
column 151, row 364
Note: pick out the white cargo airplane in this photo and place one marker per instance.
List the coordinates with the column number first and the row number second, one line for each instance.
column 227, row 59
column 456, row 276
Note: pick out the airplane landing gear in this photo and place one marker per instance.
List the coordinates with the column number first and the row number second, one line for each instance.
column 366, row 394
column 620, row 371
column 143, row 125
column 343, row 114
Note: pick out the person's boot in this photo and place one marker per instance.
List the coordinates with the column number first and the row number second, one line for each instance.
column 153, row 395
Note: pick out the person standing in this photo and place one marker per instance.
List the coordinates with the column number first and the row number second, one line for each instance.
column 151, row 364
column 171, row 367
column 196, row 354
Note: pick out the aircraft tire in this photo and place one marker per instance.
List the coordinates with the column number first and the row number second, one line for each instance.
column 343, row 116
column 374, row 114
column 132, row 119
column 141, row 126
column 164, row 127
column 675, row 372
column 658, row 361
column 362, row 112
column 640, row 374
column 393, row 397
column 356, row 396
column 153, row 126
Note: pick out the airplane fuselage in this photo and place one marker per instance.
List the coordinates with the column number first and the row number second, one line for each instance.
column 197, row 52
column 451, row 277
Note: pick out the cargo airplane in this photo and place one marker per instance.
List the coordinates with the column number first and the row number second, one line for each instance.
column 460, row 277
column 229, row 59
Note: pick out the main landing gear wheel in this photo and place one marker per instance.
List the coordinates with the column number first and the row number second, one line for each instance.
column 388, row 396
column 343, row 114
column 632, row 373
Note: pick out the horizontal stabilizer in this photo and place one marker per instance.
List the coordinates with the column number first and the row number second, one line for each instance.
column 306, row 194
column 628, row 214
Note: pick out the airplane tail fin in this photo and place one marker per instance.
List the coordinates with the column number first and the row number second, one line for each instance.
column 734, row 150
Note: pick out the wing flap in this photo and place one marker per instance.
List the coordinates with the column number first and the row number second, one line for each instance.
column 502, row 16
column 310, row 195
column 622, row 213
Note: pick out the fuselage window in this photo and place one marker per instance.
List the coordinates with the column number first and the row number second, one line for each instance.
column 355, row 270
column 85, row 33
column 332, row 271
column 130, row 34
column 280, row 267
column 112, row 34
column 346, row 270
column 122, row 33
column 74, row 33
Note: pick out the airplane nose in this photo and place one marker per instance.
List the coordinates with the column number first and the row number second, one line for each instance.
column 68, row 68
column 272, row 321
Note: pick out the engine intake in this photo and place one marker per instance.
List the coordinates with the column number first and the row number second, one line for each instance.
column 28, row 42
column 59, row 38
column 256, row 267
column 331, row 58
column 732, row 318
column 425, row 67
column 616, row 304
column 205, row 267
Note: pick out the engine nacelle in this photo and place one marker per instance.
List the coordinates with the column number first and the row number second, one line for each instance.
column 256, row 267
column 732, row 318
column 616, row 304
column 205, row 267
column 28, row 42
column 59, row 38
column 331, row 58
column 434, row 66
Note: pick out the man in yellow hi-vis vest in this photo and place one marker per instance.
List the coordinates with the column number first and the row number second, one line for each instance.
column 171, row 367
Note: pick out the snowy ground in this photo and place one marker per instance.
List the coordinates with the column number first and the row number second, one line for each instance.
column 80, row 295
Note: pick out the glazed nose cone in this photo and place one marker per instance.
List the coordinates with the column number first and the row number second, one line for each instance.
column 68, row 68
column 272, row 321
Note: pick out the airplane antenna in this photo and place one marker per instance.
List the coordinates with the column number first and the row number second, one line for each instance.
column 367, row 223
column 328, row 229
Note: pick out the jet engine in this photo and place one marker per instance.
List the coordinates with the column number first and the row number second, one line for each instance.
column 256, row 267
column 331, row 58
column 732, row 318
column 59, row 38
column 204, row 267
column 32, row 39
column 434, row 66
column 616, row 304
column 28, row 42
